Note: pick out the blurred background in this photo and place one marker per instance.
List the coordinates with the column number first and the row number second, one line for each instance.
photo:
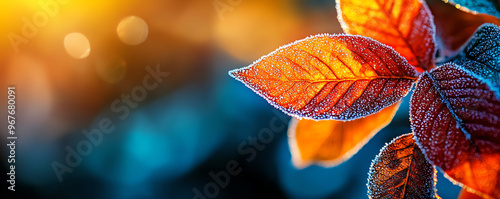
column 78, row 63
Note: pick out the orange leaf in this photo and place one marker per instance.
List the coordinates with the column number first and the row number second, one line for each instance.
column 401, row 171
column 331, row 142
column 340, row 77
column 465, row 194
column 405, row 25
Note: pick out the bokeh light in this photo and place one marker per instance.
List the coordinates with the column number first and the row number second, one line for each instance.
column 85, row 60
column 77, row 45
column 132, row 30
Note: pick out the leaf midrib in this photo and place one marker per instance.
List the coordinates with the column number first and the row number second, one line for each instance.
column 409, row 168
column 388, row 15
column 342, row 79
column 451, row 108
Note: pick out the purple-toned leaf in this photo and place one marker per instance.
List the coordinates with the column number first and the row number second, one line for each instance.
column 456, row 121
column 481, row 55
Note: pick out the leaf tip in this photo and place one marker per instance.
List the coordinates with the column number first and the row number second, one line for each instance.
column 234, row 73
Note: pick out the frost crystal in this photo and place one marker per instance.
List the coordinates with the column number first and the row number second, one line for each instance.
column 481, row 55
column 341, row 77
column 482, row 6
column 456, row 121
column 400, row 170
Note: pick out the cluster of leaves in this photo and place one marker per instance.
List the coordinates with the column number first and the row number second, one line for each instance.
column 342, row 89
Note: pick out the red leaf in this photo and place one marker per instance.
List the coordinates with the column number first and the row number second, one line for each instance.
column 330, row 77
column 454, row 27
column 401, row 171
column 456, row 121
column 405, row 25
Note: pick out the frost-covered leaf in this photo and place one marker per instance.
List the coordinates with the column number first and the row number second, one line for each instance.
column 340, row 77
column 401, row 171
column 405, row 25
column 490, row 7
column 454, row 27
column 456, row 120
column 465, row 194
column 481, row 55
column 331, row 142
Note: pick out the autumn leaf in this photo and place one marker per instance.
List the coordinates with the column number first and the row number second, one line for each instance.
column 405, row 25
column 456, row 120
column 481, row 55
column 331, row 142
column 465, row 194
column 477, row 6
column 341, row 77
column 400, row 170
column 453, row 32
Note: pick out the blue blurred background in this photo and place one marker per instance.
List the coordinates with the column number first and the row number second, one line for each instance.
column 195, row 124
